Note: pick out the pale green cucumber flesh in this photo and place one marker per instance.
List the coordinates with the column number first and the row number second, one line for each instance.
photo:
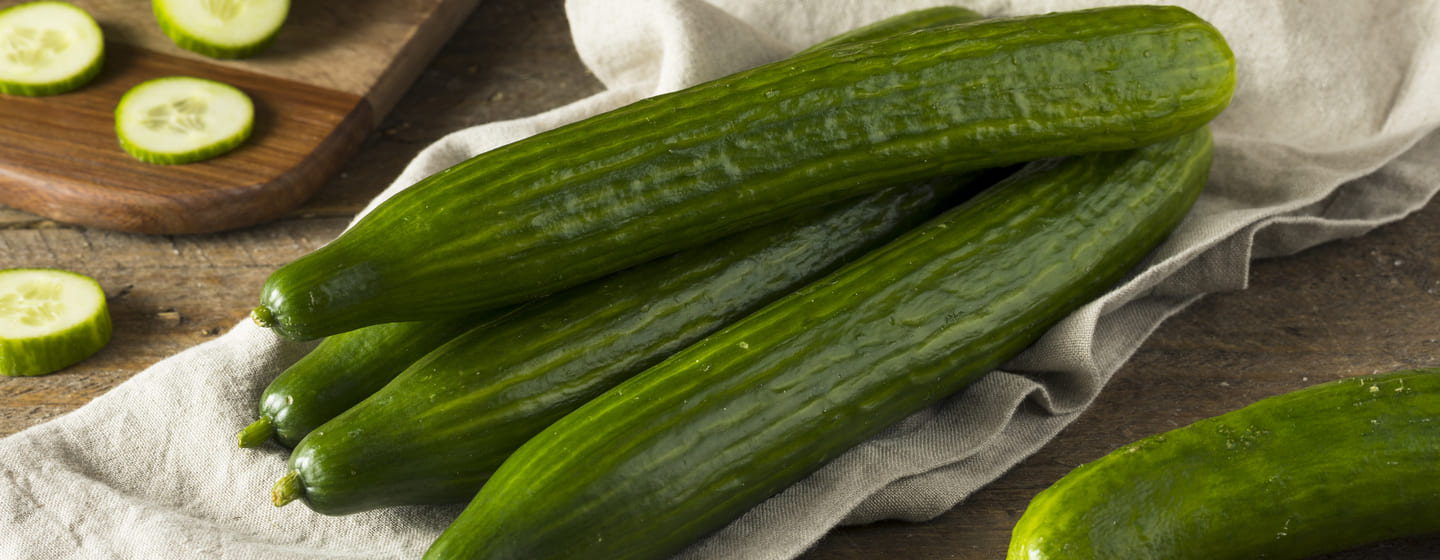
column 1318, row 470
column 49, row 319
column 674, row 171
column 48, row 48
column 687, row 446
column 221, row 28
column 181, row 119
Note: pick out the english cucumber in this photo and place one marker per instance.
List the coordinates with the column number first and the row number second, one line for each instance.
column 679, row 170
column 1318, row 470
column 341, row 371
column 435, row 433
column 687, row 446
column 346, row 368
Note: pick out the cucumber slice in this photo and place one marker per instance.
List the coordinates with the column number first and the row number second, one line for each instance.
column 221, row 28
column 180, row 119
column 49, row 319
column 48, row 48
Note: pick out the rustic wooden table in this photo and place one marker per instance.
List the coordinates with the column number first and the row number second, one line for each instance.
column 1358, row 306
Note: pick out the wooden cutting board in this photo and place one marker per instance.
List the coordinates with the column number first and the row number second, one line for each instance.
column 319, row 90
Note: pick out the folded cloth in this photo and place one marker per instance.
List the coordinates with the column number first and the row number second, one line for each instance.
column 1331, row 133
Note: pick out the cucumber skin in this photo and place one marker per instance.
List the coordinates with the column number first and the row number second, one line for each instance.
column 437, row 432
column 689, row 445
column 682, row 169
column 1322, row 469
column 346, row 368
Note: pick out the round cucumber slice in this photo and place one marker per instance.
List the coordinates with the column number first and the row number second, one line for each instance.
column 180, row 119
column 49, row 319
column 48, row 48
column 221, row 28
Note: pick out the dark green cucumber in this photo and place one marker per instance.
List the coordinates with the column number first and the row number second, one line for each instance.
column 346, row 368
column 436, row 432
column 679, row 170
column 687, row 446
column 341, row 371
column 1318, row 470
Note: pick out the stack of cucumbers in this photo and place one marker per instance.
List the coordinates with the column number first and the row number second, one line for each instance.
column 614, row 338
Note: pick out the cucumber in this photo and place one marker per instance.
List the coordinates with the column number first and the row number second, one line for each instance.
column 687, row 446
column 47, row 48
column 49, row 319
column 346, row 368
column 180, row 119
column 1318, row 470
column 435, row 433
column 226, row 29
column 340, row 372
column 679, row 170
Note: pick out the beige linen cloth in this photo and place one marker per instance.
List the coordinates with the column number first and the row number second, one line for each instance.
column 1331, row 133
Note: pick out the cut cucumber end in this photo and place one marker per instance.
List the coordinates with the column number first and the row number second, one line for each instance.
column 49, row 320
column 227, row 29
column 256, row 433
column 48, row 48
column 180, row 119
column 263, row 316
column 287, row 489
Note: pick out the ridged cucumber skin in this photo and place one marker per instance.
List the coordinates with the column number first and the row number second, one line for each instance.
column 437, row 432
column 1318, row 470
column 345, row 368
column 685, row 447
column 678, row 170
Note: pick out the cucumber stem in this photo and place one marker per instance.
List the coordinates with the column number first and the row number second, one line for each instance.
column 263, row 316
column 256, row 433
column 287, row 489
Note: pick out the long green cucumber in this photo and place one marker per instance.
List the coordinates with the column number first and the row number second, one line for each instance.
column 682, row 169
column 341, row 371
column 348, row 367
column 1317, row 470
column 687, row 446
column 435, row 433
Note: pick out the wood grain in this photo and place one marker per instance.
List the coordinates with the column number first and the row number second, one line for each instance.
column 61, row 157
column 368, row 48
column 317, row 90
column 1345, row 308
